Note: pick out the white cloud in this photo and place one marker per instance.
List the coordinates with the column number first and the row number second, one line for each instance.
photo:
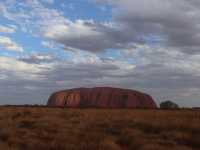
column 48, row 1
column 37, row 58
column 48, row 44
column 15, row 68
column 5, row 29
column 71, row 30
column 8, row 44
column 165, row 66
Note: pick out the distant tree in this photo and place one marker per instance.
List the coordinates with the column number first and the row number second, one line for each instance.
column 168, row 105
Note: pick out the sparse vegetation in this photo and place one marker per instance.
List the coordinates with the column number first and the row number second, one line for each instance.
column 98, row 129
column 168, row 105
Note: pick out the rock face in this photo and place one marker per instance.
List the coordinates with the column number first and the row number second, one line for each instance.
column 101, row 97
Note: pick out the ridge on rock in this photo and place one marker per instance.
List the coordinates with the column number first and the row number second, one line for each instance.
column 101, row 97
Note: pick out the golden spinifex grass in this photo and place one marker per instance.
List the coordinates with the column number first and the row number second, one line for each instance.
column 98, row 129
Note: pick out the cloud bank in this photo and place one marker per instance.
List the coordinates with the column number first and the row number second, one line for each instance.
column 149, row 45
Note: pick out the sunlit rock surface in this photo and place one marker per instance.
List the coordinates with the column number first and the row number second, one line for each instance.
column 101, row 97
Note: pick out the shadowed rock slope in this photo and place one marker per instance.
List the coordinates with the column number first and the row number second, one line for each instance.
column 101, row 97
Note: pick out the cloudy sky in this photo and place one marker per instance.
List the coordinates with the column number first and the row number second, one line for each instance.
column 147, row 45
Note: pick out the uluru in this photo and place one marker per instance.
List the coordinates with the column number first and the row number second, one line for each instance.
column 101, row 97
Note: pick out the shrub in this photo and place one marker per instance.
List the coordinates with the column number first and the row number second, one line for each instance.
column 168, row 105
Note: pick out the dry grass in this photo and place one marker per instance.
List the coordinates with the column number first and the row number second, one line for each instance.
column 98, row 129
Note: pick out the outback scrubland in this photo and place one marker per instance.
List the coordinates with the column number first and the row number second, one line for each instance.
column 38, row 128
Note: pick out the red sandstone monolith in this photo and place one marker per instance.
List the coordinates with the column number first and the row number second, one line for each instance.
column 101, row 97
